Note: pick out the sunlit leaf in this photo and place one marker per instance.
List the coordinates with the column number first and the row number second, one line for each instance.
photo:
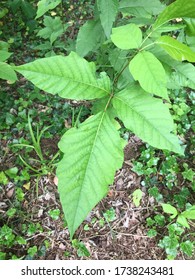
column 148, row 70
column 182, row 221
column 46, row 5
column 176, row 49
column 147, row 117
column 71, row 77
column 178, row 9
column 169, row 209
column 7, row 72
column 127, row 37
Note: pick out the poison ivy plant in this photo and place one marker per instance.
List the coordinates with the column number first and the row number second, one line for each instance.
column 178, row 9
column 6, row 71
column 176, row 49
column 53, row 29
column 92, row 34
column 190, row 26
column 141, row 8
column 46, row 5
column 89, row 37
column 108, row 11
column 93, row 150
column 121, row 41
column 181, row 217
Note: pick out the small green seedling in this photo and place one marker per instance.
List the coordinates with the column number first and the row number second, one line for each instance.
column 181, row 217
column 137, row 196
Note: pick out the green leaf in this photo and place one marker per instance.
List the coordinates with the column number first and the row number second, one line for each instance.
column 32, row 251
column 188, row 174
column 11, row 212
column 187, row 247
column 54, row 214
column 110, row 215
column 3, row 12
column 89, row 37
column 190, row 213
column 170, row 244
column 190, row 26
column 147, row 117
column 148, row 70
column 127, row 37
column 46, row 5
column 81, row 248
column 186, row 70
column 190, row 41
column 12, row 172
column 184, row 74
column 14, row 5
column 141, row 7
column 108, row 11
column 4, row 46
column 2, row 256
column 176, row 49
column 182, row 221
column 3, row 178
column 7, row 73
column 53, row 29
column 4, row 55
column 71, row 77
column 83, row 251
column 179, row 8
column 141, row 21
column 92, row 154
column 28, row 9
column 137, row 196
column 152, row 233
column 169, row 209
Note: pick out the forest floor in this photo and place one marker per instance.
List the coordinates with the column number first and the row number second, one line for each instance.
column 123, row 237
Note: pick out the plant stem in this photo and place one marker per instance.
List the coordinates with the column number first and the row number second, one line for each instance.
column 153, row 43
column 27, row 165
column 122, row 70
column 147, row 37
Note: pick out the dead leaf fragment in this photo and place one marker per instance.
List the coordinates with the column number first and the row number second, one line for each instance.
column 55, row 180
column 10, row 193
column 27, row 186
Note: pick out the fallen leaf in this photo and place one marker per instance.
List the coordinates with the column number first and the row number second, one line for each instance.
column 27, row 186
column 62, row 247
column 10, row 193
column 55, row 180
column 40, row 213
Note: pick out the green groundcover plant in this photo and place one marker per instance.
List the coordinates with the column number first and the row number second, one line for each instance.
column 144, row 58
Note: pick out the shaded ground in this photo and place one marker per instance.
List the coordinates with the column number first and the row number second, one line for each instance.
column 123, row 238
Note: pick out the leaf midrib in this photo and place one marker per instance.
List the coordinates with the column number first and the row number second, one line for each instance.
column 89, row 159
